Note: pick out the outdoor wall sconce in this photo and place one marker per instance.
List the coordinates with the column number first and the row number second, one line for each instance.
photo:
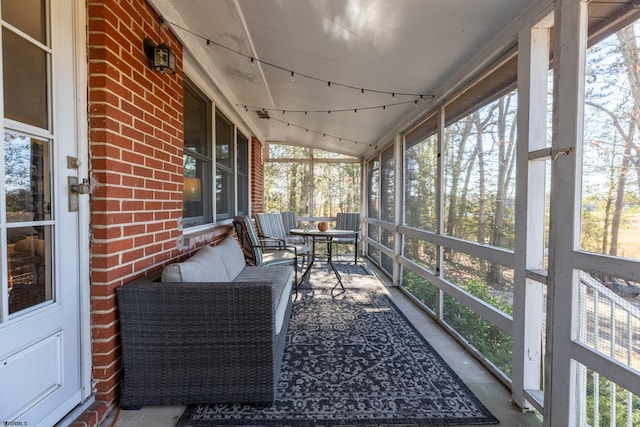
column 161, row 56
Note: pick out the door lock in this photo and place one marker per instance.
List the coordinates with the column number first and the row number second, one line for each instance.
column 81, row 188
column 76, row 188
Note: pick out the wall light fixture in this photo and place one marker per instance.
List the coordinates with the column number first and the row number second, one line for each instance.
column 161, row 56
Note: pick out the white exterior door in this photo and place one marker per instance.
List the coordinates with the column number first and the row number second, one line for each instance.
column 40, row 369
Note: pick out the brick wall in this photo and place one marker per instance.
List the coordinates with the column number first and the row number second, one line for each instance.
column 136, row 150
column 136, row 142
column 257, row 176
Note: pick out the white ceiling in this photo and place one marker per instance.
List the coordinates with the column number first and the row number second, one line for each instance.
column 402, row 46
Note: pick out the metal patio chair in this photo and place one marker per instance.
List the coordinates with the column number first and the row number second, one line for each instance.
column 290, row 222
column 349, row 221
column 257, row 252
column 271, row 228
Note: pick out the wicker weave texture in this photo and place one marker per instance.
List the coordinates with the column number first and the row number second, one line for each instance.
column 188, row 343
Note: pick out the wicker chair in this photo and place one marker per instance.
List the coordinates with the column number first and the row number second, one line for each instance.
column 349, row 221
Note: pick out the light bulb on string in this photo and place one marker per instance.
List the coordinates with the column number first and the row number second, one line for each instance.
column 292, row 78
column 393, row 96
column 329, row 86
column 208, row 45
column 166, row 25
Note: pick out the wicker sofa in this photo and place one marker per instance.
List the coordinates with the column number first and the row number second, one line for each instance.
column 206, row 330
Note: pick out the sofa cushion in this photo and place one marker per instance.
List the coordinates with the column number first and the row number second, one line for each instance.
column 281, row 278
column 206, row 265
column 232, row 257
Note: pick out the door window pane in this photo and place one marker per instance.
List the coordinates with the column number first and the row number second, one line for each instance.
column 27, row 16
column 29, row 258
column 25, row 80
column 27, row 178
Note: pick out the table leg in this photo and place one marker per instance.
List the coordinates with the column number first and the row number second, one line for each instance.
column 307, row 271
column 333, row 267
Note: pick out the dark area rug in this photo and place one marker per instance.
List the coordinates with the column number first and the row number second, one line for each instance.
column 351, row 269
column 355, row 361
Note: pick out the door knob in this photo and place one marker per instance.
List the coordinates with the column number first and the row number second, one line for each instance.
column 76, row 188
column 83, row 187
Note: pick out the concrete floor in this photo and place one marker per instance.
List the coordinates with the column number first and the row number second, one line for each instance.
column 487, row 388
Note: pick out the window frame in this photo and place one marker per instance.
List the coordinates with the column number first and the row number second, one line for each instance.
column 234, row 169
column 205, row 158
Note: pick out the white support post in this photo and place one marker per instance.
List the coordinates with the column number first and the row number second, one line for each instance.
column 312, row 186
column 364, row 206
column 399, row 208
column 440, row 208
column 533, row 72
column 570, row 42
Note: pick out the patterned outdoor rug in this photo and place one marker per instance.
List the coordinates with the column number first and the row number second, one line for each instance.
column 351, row 269
column 355, row 361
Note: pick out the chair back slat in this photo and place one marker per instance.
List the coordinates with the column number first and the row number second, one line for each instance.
column 271, row 225
column 348, row 221
column 289, row 220
column 248, row 239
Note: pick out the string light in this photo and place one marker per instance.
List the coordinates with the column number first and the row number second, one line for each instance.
column 324, row 134
column 164, row 24
column 333, row 110
column 292, row 73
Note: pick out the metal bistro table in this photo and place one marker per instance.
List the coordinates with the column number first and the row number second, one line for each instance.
column 318, row 236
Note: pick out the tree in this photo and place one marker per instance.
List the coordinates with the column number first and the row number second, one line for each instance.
column 506, row 159
column 613, row 96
